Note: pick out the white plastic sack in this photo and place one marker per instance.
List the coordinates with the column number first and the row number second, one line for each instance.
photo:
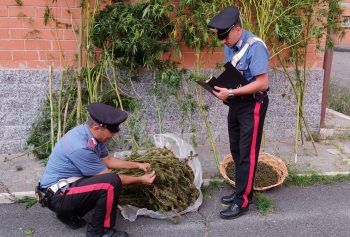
column 181, row 150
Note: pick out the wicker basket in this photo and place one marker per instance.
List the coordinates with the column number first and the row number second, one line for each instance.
column 276, row 163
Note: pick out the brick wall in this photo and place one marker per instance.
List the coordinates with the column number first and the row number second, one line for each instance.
column 346, row 40
column 26, row 42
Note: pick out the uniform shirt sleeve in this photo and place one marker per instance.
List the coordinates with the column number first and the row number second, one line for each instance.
column 228, row 54
column 87, row 162
column 259, row 59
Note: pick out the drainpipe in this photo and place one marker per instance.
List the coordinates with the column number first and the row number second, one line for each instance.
column 327, row 66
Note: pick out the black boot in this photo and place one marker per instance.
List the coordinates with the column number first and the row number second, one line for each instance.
column 233, row 211
column 73, row 222
column 228, row 199
column 92, row 232
column 115, row 233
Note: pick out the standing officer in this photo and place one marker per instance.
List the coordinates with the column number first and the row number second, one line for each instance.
column 247, row 104
column 77, row 177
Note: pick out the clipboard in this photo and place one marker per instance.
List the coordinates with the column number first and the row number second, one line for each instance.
column 231, row 78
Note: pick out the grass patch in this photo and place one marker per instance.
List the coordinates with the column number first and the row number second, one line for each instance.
column 263, row 203
column 339, row 99
column 314, row 179
column 27, row 201
column 213, row 185
column 29, row 231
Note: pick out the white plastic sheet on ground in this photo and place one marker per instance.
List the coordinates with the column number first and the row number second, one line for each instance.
column 181, row 150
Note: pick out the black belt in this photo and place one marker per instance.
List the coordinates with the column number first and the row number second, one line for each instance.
column 258, row 96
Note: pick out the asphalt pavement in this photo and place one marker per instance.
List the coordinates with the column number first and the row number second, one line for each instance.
column 311, row 211
column 340, row 70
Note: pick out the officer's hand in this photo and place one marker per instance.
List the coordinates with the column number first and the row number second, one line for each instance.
column 148, row 178
column 144, row 166
column 221, row 93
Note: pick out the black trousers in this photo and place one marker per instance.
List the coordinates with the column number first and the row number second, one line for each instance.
column 245, row 126
column 100, row 192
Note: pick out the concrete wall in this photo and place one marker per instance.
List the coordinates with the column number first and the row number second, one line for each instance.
column 22, row 92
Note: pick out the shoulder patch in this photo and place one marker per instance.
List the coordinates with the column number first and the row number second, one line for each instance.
column 92, row 143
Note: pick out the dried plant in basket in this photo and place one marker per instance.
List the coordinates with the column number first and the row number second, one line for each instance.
column 271, row 171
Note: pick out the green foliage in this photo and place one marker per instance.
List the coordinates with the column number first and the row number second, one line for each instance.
column 19, row 2
column 27, row 201
column 173, row 188
column 333, row 23
column 313, row 179
column 29, row 231
column 300, row 22
column 135, row 34
column 192, row 19
column 263, row 203
column 40, row 136
column 213, row 184
column 48, row 15
column 339, row 100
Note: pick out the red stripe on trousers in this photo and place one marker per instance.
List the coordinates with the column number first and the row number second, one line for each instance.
column 252, row 154
column 94, row 187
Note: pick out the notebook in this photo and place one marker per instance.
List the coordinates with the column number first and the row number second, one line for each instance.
column 231, row 78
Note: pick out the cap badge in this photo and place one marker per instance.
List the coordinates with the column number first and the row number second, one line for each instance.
column 214, row 30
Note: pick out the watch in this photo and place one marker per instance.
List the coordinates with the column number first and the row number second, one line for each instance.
column 230, row 93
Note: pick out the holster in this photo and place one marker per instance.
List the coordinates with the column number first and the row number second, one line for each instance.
column 259, row 96
column 43, row 197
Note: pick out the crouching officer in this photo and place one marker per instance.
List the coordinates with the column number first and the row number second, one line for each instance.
column 77, row 177
column 247, row 104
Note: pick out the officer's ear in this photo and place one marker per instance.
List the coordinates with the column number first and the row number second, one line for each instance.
column 238, row 27
column 97, row 127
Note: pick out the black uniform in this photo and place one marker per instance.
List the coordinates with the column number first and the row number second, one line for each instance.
column 247, row 113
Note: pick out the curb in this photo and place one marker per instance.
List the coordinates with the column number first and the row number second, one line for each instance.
column 6, row 198
column 335, row 132
column 344, row 116
column 341, row 48
column 332, row 173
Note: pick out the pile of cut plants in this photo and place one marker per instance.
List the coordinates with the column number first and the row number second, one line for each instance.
column 173, row 188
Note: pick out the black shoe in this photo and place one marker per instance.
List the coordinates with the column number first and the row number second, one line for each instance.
column 233, row 211
column 73, row 222
column 115, row 233
column 228, row 199
column 105, row 233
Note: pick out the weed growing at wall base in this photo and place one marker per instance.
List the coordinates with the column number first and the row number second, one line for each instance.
column 339, row 99
column 263, row 203
column 314, row 178
column 27, row 201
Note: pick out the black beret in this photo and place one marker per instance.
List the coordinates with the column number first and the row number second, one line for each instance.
column 225, row 20
column 106, row 115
